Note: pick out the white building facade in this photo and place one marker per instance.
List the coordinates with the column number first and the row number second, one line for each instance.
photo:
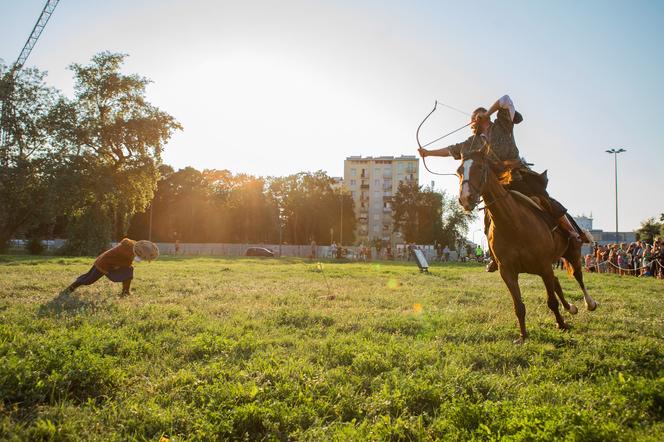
column 372, row 182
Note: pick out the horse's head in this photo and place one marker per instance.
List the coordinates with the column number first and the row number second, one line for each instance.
column 472, row 177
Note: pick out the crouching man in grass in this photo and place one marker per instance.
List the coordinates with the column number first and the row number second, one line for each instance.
column 116, row 264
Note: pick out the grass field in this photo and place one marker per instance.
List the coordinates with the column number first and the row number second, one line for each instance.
column 263, row 350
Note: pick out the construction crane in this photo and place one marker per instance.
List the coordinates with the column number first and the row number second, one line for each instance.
column 8, row 81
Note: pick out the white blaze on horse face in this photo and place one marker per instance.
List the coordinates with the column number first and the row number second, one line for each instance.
column 465, row 187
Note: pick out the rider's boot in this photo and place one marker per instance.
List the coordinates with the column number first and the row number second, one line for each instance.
column 565, row 225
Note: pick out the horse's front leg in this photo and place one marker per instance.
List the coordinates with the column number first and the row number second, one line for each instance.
column 511, row 279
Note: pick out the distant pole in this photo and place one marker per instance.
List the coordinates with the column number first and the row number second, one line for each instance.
column 341, row 229
column 474, row 232
column 615, row 153
column 150, row 226
column 279, row 221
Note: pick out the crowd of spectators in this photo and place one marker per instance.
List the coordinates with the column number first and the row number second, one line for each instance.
column 636, row 259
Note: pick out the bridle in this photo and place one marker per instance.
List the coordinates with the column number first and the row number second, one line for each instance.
column 483, row 180
column 478, row 191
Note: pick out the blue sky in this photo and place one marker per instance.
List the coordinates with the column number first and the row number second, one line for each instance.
column 273, row 88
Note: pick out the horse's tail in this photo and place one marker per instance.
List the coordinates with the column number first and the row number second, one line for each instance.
column 589, row 236
column 569, row 267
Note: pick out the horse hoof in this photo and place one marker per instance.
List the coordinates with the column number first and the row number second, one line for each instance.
column 572, row 309
column 564, row 326
column 519, row 341
column 591, row 306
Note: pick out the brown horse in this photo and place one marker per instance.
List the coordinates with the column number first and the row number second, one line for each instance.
column 520, row 238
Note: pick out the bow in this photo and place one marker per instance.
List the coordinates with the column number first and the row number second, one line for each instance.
column 417, row 136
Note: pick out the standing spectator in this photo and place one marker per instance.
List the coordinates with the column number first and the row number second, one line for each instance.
column 647, row 261
column 333, row 250
column 446, row 253
column 463, row 254
column 658, row 258
column 313, row 249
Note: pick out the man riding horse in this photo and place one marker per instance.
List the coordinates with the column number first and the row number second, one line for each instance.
column 499, row 136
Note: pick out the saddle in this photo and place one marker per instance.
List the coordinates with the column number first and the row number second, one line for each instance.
column 537, row 205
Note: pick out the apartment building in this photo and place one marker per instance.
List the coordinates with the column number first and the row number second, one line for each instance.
column 372, row 182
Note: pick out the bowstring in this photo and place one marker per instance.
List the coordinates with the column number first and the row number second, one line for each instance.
column 424, row 162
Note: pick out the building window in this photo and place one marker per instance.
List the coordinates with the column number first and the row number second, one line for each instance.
column 353, row 172
column 377, row 193
column 377, row 171
column 376, row 217
column 377, row 182
column 353, row 182
column 353, row 193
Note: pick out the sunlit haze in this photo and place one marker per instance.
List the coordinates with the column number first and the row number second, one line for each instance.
column 274, row 88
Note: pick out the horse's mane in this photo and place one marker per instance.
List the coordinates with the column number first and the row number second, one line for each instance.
column 503, row 170
column 505, row 177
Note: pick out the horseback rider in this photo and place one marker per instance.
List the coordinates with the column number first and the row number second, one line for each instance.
column 499, row 136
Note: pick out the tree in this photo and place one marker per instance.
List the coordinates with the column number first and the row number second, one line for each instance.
column 424, row 216
column 649, row 230
column 310, row 208
column 30, row 165
column 120, row 136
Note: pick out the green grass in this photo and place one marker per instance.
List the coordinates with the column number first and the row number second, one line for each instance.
column 261, row 350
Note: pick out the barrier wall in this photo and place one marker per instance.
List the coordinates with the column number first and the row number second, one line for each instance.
column 223, row 249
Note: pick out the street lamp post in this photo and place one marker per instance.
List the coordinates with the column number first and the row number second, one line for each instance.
column 474, row 232
column 341, row 220
column 150, row 225
column 615, row 153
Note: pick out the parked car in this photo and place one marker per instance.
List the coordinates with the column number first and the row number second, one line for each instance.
column 259, row 251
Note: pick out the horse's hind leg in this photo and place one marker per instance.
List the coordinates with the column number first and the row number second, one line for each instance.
column 512, row 281
column 573, row 257
column 559, row 291
column 552, row 301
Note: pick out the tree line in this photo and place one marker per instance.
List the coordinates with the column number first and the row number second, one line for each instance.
column 218, row 206
column 89, row 169
column 89, row 162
